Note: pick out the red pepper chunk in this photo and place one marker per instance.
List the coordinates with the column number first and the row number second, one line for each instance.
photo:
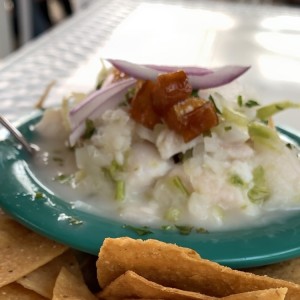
column 141, row 106
column 191, row 117
column 170, row 89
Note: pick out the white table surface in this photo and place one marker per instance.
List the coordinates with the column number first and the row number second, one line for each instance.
column 205, row 33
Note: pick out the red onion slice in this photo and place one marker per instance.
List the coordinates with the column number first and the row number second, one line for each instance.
column 134, row 70
column 189, row 70
column 200, row 78
column 105, row 105
column 110, row 95
column 219, row 76
column 95, row 104
column 96, row 99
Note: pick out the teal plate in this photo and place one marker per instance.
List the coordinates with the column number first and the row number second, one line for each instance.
column 83, row 231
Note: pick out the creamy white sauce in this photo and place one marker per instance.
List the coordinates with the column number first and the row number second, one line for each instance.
column 55, row 159
column 209, row 190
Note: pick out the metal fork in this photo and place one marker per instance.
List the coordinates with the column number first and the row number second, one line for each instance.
column 30, row 148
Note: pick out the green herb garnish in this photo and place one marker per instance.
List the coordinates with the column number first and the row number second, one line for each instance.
column 167, row 227
column 195, row 94
column 201, row 230
column 227, row 128
column 236, row 180
column 120, row 190
column 63, row 178
column 38, row 195
column 260, row 191
column 211, row 98
column 184, row 230
column 179, row 185
column 113, row 168
column 240, row 100
column 89, row 129
column 251, row 103
column 130, row 94
column 59, row 160
column 172, row 214
column 74, row 221
column 138, row 230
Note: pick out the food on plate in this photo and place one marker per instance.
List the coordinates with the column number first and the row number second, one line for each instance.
column 169, row 146
column 171, row 266
column 126, row 269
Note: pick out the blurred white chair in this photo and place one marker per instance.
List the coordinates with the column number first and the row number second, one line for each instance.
column 24, row 15
column 6, row 38
column 25, row 22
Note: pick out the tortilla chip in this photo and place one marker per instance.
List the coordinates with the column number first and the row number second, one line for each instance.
column 15, row 291
column 42, row 280
column 170, row 266
column 131, row 285
column 22, row 250
column 161, row 253
column 270, row 294
column 68, row 286
column 287, row 270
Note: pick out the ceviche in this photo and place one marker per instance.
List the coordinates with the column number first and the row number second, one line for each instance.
column 172, row 146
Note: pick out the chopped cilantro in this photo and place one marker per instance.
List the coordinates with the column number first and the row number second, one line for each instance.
column 236, row 180
column 207, row 134
column 38, row 195
column 114, row 167
column 110, row 171
column 184, row 230
column 227, row 128
column 130, row 94
column 240, row 100
column 172, row 214
column 138, row 230
column 63, row 178
column 260, row 191
column 74, row 221
column 210, row 98
column 195, row 94
column 251, row 103
column 167, row 227
column 179, row 184
column 89, row 129
column 201, row 230
column 59, row 160
column 181, row 157
column 120, row 190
